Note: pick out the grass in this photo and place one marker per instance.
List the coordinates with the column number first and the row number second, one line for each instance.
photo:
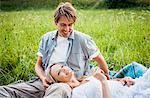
column 122, row 36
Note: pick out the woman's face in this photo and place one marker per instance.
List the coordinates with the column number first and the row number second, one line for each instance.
column 61, row 73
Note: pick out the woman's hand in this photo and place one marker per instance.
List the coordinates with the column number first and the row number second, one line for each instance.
column 99, row 74
column 126, row 81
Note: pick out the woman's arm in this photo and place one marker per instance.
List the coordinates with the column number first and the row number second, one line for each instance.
column 105, row 89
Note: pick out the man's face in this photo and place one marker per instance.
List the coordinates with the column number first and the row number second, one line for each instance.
column 65, row 26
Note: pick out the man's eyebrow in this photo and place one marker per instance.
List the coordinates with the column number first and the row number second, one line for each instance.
column 66, row 24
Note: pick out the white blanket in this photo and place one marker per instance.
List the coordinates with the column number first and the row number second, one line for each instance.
column 92, row 89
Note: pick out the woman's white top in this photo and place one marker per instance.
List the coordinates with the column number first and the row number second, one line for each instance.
column 92, row 89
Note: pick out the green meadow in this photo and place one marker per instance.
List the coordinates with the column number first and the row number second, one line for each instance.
column 123, row 36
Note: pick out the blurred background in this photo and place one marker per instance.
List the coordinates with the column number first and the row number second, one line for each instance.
column 120, row 28
column 82, row 4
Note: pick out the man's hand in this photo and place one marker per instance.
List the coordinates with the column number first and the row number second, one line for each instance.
column 45, row 82
column 108, row 77
column 41, row 73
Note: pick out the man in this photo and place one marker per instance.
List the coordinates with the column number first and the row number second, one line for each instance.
column 66, row 46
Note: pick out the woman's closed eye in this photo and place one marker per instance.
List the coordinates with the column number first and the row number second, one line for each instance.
column 60, row 70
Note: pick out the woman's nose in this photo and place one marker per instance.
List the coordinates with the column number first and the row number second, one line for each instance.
column 64, row 68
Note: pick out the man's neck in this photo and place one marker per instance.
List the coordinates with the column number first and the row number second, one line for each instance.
column 61, row 34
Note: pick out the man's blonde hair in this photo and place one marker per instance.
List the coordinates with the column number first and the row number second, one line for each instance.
column 65, row 9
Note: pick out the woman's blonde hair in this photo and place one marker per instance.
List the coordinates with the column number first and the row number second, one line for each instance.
column 65, row 9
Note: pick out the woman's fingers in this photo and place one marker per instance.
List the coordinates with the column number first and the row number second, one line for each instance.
column 127, row 81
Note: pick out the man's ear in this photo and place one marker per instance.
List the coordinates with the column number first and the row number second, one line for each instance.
column 56, row 23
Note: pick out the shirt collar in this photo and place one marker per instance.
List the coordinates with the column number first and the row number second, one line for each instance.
column 55, row 34
column 71, row 35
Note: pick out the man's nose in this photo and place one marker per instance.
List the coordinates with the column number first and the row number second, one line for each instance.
column 67, row 28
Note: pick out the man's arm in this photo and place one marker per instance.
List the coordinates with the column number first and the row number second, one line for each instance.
column 40, row 72
column 102, row 64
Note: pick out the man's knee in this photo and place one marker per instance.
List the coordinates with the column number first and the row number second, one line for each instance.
column 58, row 90
column 22, row 90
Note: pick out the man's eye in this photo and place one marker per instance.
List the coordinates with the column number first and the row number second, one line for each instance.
column 70, row 25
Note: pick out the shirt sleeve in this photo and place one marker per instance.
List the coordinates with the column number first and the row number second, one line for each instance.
column 92, row 49
column 94, row 55
column 40, row 54
column 40, row 50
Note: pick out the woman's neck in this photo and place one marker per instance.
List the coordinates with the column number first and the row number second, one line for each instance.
column 73, row 82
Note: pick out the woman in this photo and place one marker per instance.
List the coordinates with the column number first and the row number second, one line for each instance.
column 97, row 86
